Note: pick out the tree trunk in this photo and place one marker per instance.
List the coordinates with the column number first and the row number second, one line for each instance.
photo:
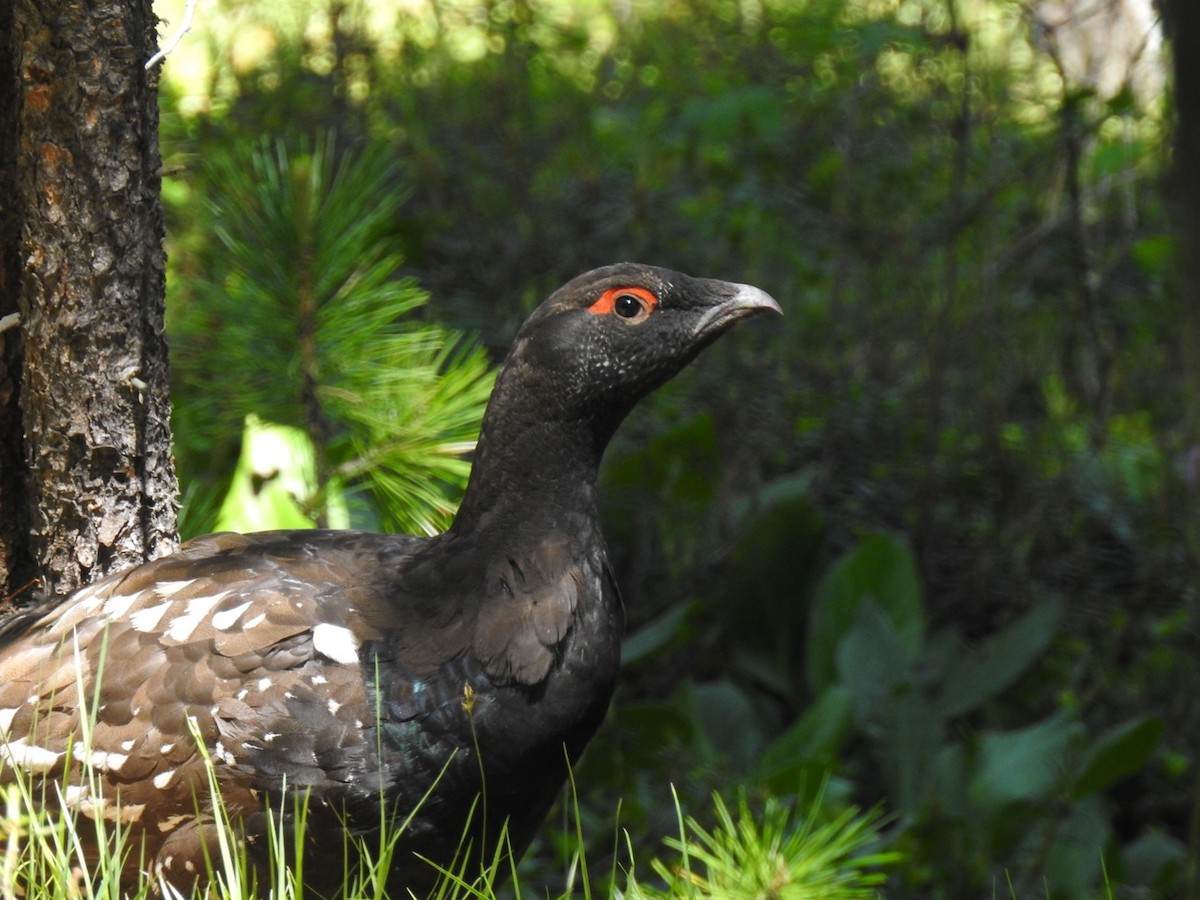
column 87, row 485
column 1182, row 18
column 1183, row 28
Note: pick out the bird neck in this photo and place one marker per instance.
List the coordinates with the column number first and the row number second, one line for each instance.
column 532, row 472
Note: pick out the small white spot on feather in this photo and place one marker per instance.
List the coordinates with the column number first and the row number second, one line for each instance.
column 226, row 618
column 162, row 779
column 22, row 755
column 181, row 627
column 253, row 620
column 79, row 798
column 336, row 642
column 86, row 593
column 108, row 762
column 87, row 601
column 131, row 813
column 6, row 718
column 167, row 824
column 148, row 619
column 119, row 604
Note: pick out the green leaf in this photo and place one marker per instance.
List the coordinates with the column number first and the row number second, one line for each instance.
column 1075, row 849
column 275, row 482
column 914, row 736
column 654, row 723
column 879, row 568
column 890, row 704
column 655, row 636
column 816, row 737
column 1154, row 254
column 681, row 463
column 771, row 573
column 872, row 663
column 980, row 673
column 793, row 490
column 1024, row 765
column 948, row 776
column 1119, row 752
column 732, row 731
column 1153, row 860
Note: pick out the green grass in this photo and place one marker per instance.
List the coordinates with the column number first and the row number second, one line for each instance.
column 780, row 852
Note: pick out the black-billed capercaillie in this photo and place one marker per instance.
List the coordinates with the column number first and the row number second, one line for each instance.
column 379, row 674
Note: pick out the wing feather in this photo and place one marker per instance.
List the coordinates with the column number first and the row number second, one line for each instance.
column 530, row 607
column 220, row 635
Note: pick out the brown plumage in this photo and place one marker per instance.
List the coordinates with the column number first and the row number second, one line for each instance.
column 371, row 670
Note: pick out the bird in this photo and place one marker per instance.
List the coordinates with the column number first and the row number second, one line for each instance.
column 445, row 683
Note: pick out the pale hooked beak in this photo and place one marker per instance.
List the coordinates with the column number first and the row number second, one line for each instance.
column 741, row 300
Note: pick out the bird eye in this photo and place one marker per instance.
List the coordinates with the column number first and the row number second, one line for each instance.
column 628, row 306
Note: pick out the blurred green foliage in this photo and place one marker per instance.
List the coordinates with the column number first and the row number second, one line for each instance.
column 297, row 313
column 930, row 540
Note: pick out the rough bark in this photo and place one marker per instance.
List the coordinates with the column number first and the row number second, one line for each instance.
column 16, row 565
column 87, row 485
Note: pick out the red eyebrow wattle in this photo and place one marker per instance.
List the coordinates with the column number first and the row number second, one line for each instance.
column 604, row 305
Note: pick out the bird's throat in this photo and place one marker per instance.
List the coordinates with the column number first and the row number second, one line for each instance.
column 529, row 477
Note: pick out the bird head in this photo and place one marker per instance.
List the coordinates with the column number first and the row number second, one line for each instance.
column 607, row 338
column 579, row 364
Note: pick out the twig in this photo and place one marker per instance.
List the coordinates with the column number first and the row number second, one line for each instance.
column 184, row 27
column 12, row 320
column 4, row 600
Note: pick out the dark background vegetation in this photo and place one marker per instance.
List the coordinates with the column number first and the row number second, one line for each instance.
column 929, row 540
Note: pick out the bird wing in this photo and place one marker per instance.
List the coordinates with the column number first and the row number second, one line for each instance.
column 531, row 605
column 243, row 645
